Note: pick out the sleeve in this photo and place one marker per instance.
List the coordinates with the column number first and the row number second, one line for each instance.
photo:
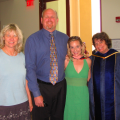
column 91, row 92
column 30, row 64
column 117, row 86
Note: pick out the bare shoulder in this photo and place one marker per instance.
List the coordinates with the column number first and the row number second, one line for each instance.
column 88, row 61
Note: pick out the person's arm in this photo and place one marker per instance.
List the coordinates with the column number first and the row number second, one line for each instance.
column 30, row 61
column 30, row 64
column 66, row 62
column 89, row 64
column 29, row 96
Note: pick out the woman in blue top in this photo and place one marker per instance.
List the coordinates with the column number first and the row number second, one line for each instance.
column 13, row 96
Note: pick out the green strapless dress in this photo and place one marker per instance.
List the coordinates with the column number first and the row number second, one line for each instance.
column 77, row 97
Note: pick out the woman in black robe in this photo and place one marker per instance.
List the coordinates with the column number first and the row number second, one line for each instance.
column 104, row 85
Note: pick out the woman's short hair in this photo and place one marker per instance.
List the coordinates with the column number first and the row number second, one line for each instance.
column 75, row 38
column 102, row 36
column 16, row 29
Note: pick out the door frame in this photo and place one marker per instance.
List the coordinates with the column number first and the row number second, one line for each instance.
column 42, row 6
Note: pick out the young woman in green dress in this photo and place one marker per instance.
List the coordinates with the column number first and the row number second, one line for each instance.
column 77, row 74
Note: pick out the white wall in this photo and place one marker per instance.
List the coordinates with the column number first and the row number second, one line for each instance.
column 95, row 16
column 15, row 11
column 110, row 10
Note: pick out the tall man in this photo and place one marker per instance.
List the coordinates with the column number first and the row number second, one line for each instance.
column 46, row 79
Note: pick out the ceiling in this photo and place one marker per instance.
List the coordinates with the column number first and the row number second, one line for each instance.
column 3, row 0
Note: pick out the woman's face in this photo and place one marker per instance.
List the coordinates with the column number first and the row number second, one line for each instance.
column 101, row 46
column 75, row 48
column 11, row 39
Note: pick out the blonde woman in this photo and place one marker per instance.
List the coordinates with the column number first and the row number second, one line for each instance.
column 13, row 85
column 77, row 73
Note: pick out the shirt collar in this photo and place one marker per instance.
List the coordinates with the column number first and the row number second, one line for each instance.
column 106, row 55
column 47, row 33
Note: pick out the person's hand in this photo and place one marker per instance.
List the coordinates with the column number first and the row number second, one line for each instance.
column 30, row 106
column 39, row 101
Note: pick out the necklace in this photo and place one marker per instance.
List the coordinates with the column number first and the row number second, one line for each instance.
column 79, row 58
column 9, row 53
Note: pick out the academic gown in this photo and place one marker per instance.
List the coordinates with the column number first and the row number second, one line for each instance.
column 104, row 86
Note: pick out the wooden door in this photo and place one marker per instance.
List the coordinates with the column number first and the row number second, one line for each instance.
column 42, row 6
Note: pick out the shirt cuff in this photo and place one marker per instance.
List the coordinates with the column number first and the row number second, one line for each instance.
column 36, row 93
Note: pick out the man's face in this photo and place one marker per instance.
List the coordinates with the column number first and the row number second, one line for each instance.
column 49, row 20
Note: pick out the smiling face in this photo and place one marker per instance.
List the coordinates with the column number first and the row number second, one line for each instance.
column 11, row 39
column 49, row 20
column 75, row 48
column 101, row 46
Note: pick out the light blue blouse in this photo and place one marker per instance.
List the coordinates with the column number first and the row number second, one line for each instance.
column 12, row 79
